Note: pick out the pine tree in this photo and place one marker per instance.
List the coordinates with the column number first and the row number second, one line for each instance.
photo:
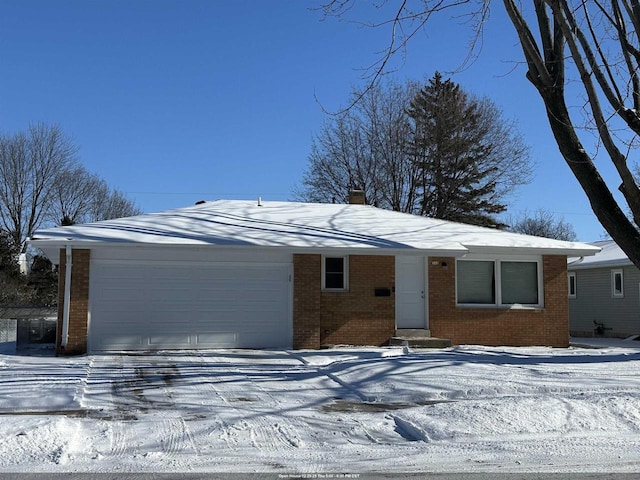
column 11, row 281
column 453, row 148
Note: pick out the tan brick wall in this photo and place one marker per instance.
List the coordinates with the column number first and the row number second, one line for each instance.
column 497, row 326
column 356, row 317
column 79, row 303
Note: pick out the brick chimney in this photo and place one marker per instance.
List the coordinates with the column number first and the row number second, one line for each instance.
column 356, row 197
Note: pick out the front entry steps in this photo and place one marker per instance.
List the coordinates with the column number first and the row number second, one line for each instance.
column 419, row 338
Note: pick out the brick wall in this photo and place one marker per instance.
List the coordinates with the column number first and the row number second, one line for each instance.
column 79, row 303
column 356, row 317
column 497, row 326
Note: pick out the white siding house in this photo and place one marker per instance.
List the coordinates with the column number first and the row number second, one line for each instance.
column 604, row 293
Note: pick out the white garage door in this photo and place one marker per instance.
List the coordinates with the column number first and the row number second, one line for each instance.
column 152, row 305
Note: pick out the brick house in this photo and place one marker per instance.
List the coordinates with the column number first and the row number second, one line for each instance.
column 241, row 274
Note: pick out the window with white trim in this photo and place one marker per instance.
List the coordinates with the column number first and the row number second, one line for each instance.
column 335, row 274
column 500, row 283
column 617, row 283
column 571, row 278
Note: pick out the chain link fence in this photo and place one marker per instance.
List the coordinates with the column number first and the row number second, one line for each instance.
column 24, row 327
column 8, row 333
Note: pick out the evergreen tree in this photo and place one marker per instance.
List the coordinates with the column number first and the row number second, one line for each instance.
column 429, row 150
column 12, row 290
column 454, row 149
column 9, row 268
column 43, row 282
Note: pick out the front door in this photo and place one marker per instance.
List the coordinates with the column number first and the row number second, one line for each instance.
column 411, row 292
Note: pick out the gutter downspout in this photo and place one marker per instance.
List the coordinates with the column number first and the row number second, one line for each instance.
column 578, row 260
column 67, row 298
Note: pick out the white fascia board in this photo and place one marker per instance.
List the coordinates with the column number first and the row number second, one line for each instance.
column 581, row 251
column 52, row 246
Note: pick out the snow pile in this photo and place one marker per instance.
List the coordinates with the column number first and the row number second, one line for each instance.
column 461, row 409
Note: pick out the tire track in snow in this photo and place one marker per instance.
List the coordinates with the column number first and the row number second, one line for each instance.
column 174, row 440
column 227, row 429
column 285, row 427
column 169, row 437
column 138, row 386
column 118, row 441
column 101, row 392
column 264, row 424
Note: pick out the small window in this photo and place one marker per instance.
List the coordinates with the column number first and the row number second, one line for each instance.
column 334, row 273
column 572, row 284
column 617, row 284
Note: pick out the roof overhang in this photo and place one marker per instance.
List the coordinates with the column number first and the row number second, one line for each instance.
column 579, row 250
column 52, row 247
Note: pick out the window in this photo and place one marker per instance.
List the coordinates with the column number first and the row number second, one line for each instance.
column 476, row 283
column 498, row 282
column 334, row 273
column 519, row 281
column 617, row 284
column 572, row 284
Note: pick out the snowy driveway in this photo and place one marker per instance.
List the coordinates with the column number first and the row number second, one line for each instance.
column 344, row 410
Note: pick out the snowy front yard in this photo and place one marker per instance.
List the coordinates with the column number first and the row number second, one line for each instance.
column 344, row 410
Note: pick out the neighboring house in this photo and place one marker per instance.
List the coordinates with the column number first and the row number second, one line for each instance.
column 248, row 274
column 604, row 293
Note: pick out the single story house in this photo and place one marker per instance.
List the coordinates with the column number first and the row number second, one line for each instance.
column 604, row 293
column 254, row 274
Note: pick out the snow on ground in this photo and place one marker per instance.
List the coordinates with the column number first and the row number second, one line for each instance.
column 461, row 409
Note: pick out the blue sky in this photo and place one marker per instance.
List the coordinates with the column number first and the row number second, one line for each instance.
column 182, row 100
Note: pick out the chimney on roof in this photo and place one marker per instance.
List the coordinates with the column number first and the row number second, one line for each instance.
column 356, row 197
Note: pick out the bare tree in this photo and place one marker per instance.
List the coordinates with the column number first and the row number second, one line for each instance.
column 594, row 44
column 29, row 164
column 106, row 203
column 73, row 195
column 42, row 183
column 365, row 147
column 80, row 197
column 383, row 146
column 543, row 223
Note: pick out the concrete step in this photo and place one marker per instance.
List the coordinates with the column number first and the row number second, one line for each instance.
column 413, row 332
column 420, row 342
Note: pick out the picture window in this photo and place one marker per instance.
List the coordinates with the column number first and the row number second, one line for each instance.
column 498, row 282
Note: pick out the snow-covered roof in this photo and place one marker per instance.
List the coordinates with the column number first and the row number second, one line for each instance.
column 303, row 227
column 610, row 255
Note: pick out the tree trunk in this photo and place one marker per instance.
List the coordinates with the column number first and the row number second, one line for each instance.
column 603, row 204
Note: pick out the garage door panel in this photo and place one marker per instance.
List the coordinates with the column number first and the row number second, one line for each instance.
column 146, row 306
column 216, row 340
column 128, row 342
column 168, row 340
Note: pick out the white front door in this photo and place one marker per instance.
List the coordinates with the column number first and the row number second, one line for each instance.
column 411, row 292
